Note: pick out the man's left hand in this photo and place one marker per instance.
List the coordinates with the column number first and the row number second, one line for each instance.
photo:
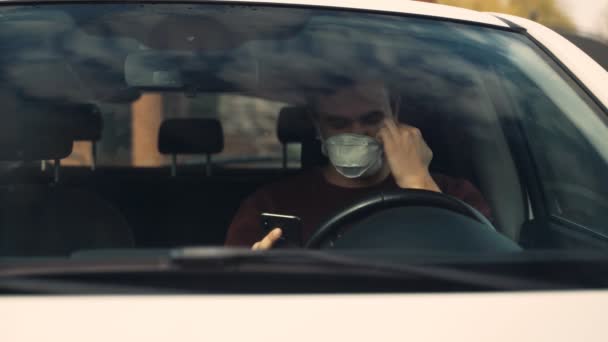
column 408, row 155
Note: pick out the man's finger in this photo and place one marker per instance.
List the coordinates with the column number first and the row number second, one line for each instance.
column 385, row 136
column 391, row 126
column 270, row 239
column 410, row 129
column 415, row 131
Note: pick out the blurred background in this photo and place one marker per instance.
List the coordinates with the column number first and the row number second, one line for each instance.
column 585, row 17
column 583, row 22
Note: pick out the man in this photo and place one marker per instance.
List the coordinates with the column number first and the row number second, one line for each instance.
column 368, row 151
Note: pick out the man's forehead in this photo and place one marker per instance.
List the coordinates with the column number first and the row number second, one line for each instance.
column 356, row 100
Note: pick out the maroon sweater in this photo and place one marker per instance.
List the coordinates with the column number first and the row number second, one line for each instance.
column 310, row 197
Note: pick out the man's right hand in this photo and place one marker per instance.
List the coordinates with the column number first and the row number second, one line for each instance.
column 268, row 241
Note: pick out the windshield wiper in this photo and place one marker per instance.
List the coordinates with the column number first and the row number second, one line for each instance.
column 221, row 270
column 318, row 262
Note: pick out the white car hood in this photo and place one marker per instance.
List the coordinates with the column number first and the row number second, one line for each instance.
column 513, row 317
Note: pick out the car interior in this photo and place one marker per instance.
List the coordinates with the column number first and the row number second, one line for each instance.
column 98, row 207
column 192, row 205
column 470, row 101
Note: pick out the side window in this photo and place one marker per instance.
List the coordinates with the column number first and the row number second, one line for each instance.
column 131, row 131
column 569, row 158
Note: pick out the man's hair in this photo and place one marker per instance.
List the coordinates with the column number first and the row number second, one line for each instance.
column 312, row 102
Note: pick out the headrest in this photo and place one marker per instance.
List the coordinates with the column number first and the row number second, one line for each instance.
column 295, row 125
column 84, row 124
column 80, row 121
column 29, row 137
column 30, row 147
column 190, row 136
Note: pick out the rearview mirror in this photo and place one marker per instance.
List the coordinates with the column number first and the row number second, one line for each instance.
column 188, row 71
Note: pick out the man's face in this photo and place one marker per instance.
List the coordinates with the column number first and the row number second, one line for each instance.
column 360, row 109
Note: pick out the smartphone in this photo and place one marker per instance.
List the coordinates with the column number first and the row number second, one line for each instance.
column 290, row 225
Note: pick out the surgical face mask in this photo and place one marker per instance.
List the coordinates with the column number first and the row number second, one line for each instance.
column 354, row 155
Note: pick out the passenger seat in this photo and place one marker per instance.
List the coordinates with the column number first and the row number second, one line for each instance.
column 51, row 219
column 196, row 207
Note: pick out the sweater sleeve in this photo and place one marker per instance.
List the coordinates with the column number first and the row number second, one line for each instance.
column 246, row 228
column 466, row 192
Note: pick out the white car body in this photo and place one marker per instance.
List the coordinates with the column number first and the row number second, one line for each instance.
column 533, row 316
column 520, row 316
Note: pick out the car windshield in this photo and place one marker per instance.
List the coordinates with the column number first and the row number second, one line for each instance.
column 150, row 127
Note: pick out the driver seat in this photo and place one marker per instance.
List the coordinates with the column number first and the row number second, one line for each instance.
column 294, row 125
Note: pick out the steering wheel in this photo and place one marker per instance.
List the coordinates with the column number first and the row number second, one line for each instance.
column 388, row 200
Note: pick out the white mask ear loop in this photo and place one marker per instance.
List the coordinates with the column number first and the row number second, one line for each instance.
column 317, row 131
column 320, row 138
column 396, row 107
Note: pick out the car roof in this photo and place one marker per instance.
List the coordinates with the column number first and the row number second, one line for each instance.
column 404, row 6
